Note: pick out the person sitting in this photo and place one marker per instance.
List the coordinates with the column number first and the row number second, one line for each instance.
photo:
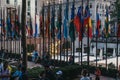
column 5, row 72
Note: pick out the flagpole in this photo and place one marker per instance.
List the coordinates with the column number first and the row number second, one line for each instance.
column 15, row 32
column 81, row 34
column 88, row 50
column 67, row 33
column 74, row 36
column 4, row 27
column 43, row 26
column 48, row 27
column 106, row 34
column 96, row 34
column 11, row 32
column 1, row 29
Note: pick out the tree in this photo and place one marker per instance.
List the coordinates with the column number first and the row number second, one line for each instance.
column 23, row 34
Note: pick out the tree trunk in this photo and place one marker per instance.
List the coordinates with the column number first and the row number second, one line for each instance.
column 24, row 34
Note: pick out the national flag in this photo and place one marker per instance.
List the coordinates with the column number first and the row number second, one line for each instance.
column 53, row 23
column 9, row 27
column 59, row 22
column 31, row 28
column 72, row 27
column 36, row 28
column 107, row 28
column 88, row 22
column 41, row 25
column 78, row 21
column 98, row 24
column 65, row 25
column 17, row 26
column 48, row 21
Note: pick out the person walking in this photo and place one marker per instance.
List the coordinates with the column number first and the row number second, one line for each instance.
column 98, row 74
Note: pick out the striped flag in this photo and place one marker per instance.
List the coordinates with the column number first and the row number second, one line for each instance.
column 78, row 22
column 98, row 24
column 88, row 21
column 107, row 28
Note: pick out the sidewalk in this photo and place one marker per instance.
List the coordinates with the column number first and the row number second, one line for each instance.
column 93, row 77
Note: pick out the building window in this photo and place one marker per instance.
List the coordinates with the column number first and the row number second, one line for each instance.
column 7, row 1
column 90, row 5
column 28, row 3
column 28, row 13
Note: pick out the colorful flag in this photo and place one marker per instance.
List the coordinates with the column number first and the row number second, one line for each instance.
column 72, row 27
column 65, row 25
column 31, row 28
column 53, row 23
column 36, row 28
column 107, row 28
column 9, row 27
column 88, row 22
column 78, row 21
column 41, row 25
column 98, row 24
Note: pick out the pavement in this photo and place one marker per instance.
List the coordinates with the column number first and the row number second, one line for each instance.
column 93, row 77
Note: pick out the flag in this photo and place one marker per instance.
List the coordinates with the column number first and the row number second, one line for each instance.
column 98, row 24
column 65, row 24
column 9, row 27
column 41, row 25
column 78, row 21
column 53, row 23
column 118, row 30
column 107, row 28
column 17, row 26
column 88, row 21
column 72, row 27
column 59, row 22
column 48, row 21
column 36, row 28
column 31, row 28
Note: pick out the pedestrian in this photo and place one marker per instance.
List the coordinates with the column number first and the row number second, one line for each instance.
column 5, row 72
column 35, row 56
column 71, row 58
column 59, row 75
column 97, row 74
column 42, row 76
column 84, row 75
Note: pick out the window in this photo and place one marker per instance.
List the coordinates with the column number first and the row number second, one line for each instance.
column 28, row 3
column 90, row 5
column 7, row 1
column 28, row 13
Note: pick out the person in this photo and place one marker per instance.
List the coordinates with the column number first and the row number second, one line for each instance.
column 59, row 75
column 84, row 75
column 17, row 73
column 42, row 76
column 71, row 59
column 5, row 72
column 98, row 74
column 23, row 75
column 35, row 56
column 49, row 73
